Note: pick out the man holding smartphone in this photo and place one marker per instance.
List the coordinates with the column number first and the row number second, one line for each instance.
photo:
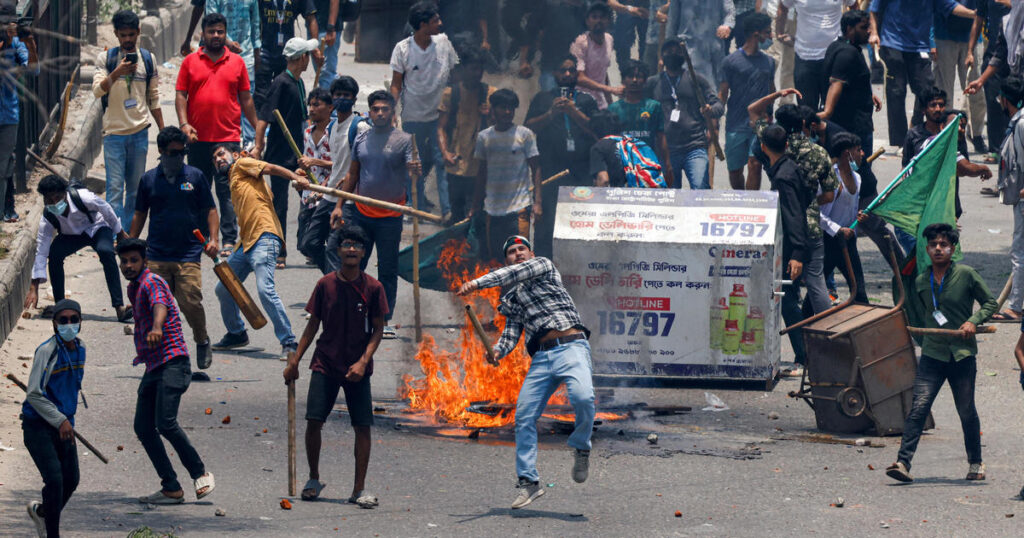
column 126, row 81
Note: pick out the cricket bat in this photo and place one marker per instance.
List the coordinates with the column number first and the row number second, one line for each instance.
column 235, row 288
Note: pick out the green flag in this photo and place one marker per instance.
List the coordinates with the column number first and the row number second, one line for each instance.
column 924, row 192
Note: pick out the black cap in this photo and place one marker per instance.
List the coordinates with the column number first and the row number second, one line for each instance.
column 67, row 304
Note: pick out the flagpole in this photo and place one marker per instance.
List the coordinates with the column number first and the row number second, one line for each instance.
column 899, row 178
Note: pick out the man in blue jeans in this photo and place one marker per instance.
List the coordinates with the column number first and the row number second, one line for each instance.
column 948, row 291
column 536, row 302
column 260, row 242
column 382, row 163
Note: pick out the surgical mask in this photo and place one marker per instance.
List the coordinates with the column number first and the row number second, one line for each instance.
column 172, row 165
column 69, row 331
column 673, row 61
column 344, row 105
column 58, row 208
column 766, row 44
column 853, row 165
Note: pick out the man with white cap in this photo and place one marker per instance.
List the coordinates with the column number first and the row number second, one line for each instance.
column 534, row 301
column 287, row 94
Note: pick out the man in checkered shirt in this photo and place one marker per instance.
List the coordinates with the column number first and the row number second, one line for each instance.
column 160, row 345
column 536, row 302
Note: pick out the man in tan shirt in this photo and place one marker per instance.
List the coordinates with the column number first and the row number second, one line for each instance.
column 126, row 80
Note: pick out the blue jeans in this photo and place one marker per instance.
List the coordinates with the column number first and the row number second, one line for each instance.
column 430, row 154
column 695, row 164
column 931, row 373
column 386, row 235
column 570, row 364
column 329, row 71
column 261, row 259
column 125, row 159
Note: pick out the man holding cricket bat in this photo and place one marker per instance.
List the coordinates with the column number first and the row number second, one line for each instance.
column 536, row 302
column 351, row 305
column 260, row 241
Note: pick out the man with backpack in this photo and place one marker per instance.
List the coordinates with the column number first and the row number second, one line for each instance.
column 621, row 161
column 127, row 108
column 80, row 219
column 642, row 119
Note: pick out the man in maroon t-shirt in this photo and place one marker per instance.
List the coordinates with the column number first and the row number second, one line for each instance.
column 351, row 305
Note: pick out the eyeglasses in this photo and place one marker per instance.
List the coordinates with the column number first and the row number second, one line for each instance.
column 351, row 244
column 64, row 320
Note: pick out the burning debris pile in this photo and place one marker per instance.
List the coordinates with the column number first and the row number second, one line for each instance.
column 454, row 382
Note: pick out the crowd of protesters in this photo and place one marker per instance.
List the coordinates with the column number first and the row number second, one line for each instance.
column 788, row 81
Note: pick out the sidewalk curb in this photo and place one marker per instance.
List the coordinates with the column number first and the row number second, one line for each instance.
column 82, row 144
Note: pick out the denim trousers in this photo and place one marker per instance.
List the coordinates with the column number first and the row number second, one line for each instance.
column 329, row 72
column 1016, row 299
column 156, row 414
column 814, row 279
column 931, row 373
column 125, row 159
column 791, row 314
column 57, row 462
column 570, row 364
column 261, row 259
column 386, row 235
column 695, row 164
column 103, row 243
column 430, row 154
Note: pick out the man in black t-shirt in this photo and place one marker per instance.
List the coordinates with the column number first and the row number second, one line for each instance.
column 556, row 25
column 287, row 94
column 560, row 118
column 849, row 101
column 277, row 26
column 605, row 163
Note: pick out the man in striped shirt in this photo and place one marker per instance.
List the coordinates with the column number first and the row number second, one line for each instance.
column 536, row 302
column 160, row 345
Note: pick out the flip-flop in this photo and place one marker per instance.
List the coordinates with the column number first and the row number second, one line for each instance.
column 280, row 263
column 160, row 498
column 989, row 191
column 226, row 250
column 204, row 481
column 315, row 485
column 1003, row 317
column 364, row 500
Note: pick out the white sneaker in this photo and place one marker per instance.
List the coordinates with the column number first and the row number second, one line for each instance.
column 528, row 491
column 976, row 471
column 33, row 507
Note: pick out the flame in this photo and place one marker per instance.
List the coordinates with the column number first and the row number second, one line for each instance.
column 453, row 380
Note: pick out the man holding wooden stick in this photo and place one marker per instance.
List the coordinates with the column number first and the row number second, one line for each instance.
column 382, row 162
column 351, row 305
column 536, row 302
column 260, row 240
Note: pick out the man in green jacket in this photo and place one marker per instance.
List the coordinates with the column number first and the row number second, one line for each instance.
column 947, row 292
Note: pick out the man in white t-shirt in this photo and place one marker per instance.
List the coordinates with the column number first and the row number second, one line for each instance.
column 817, row 26
column 838, row 215
column 347, row 126
column 421, row 65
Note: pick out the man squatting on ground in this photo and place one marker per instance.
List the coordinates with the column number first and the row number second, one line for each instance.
column 536, row 302
column 351, row 305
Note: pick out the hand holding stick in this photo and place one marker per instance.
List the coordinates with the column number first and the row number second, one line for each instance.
column 78, row 436
column 291, row 142
column 479, row 328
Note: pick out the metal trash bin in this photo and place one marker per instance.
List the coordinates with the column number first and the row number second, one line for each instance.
column 860, row 367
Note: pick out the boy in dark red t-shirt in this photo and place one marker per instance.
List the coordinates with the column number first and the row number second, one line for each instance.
column 351, row 305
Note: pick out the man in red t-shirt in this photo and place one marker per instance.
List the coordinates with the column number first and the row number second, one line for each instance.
column 212, row 93
column 351, row 305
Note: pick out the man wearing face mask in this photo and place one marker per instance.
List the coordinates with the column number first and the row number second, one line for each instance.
column 48, row 415
column 561, row 119
column 178, row 199
column 129, row 87
column 817, row 26
column 80, row 219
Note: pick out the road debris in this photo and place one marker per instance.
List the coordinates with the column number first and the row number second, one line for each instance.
column 652, row 438
column 209, row 411
column 714, row 403
column 226, row 420
column 773, row 416
column 679, row 514
column 286, row 504
column 128, row 330
column 220, row 512
column 871, row 467
column 884, row 525
column 839, row 502
column 120, row 448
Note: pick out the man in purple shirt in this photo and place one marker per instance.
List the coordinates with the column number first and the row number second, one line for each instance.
column 160, row 345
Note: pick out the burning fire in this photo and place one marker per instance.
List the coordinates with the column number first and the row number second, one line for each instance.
column 453, row 381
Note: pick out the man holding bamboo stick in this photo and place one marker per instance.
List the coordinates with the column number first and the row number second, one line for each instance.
column 536, row 302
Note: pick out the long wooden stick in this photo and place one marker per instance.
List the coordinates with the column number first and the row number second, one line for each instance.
column 416, row 249
column 878, row 152
column 405, row 210
column 479, row 329
column 45, row 164
column 316, row 79
column 78, row 436
column 982, row 329
column 291, row 142
column 291, row 438
column 555, row 177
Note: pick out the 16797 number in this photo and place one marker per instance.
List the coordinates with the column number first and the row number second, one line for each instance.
column 730, row 229
column 632, row 323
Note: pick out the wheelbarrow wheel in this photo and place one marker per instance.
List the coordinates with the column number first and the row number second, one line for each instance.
column 851, row 401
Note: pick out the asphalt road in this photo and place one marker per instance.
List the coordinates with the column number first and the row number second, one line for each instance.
column 739, row 472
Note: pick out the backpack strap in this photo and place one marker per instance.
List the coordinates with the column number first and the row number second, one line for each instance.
column 76, row 198
column 353, row 128
column 147, row 62
column 111, row 66
column 52, row 219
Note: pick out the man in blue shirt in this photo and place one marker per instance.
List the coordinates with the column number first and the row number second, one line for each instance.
column 178, row 199
column 953, row 44
column 15, row 56
column 903, row 29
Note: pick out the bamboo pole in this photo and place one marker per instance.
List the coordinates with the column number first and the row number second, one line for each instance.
column 405, row 210
column 555, row 177
column 78, row 436
column 291, row 142
column 291, row 439
column 878, row 152
column 982, row 329
column 319, row 68
column 479, row 329
column 416, row 249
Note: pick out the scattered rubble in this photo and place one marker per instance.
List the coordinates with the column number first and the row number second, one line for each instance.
column 286, row 504
column 652, row 438
column 220, row 512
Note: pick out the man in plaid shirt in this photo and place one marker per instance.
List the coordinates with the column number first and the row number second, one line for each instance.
column 536, row 302
column 160, row 345
column 316, row 159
